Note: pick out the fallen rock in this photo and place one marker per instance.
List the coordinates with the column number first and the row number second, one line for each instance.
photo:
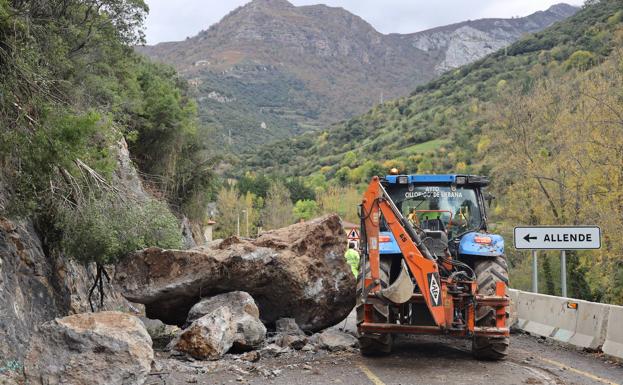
column 239, row 301
column 161, row 334
column 288, row 326
column 105, row 348
column 294, row 341
column 220, row 323
column 297, row 272
column 334, row 340
column 289, row 334
column 308, row 348
column 252, row 356
column 274, row 350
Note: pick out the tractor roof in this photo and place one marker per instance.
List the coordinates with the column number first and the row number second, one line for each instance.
column 461, row 179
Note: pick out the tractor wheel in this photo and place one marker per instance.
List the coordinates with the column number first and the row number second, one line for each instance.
column 371, row 344
column 488, row 273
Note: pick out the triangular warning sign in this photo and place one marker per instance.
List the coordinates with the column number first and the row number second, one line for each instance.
column 353, row 234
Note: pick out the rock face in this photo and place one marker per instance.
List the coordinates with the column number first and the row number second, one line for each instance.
column 35, row 287
column 220, row 323
column 105, row 348
column 298, row 272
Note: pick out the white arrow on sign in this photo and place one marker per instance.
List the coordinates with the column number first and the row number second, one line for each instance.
column 558, row 238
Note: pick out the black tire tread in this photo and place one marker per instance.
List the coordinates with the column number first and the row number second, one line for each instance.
column 488, row 272
column 373, row 344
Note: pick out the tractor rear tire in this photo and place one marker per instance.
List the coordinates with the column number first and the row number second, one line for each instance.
column 488, row 272
column 374, row 344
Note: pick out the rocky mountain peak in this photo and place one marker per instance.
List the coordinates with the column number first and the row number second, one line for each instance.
column 271, row 3
column 562, row 9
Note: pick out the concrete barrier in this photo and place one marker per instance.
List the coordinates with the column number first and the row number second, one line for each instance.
column 546, row 316
column 614, row 337
column 580, row 323
column 514, row 296
column 591, row 324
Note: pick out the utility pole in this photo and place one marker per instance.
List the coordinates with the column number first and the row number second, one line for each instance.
column 535, row 272
column 246, row 214
column 563, row 272
column 238, row 223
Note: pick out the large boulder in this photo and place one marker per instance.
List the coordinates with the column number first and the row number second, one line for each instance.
column 105, row 348
column 220, row 323
column 298, row 272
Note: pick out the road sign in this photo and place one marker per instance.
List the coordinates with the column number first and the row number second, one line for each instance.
column 353, row 234
column 557, row 238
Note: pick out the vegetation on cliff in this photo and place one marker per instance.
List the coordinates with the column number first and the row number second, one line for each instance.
column 71, row 87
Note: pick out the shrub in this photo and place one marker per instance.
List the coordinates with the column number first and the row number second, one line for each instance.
column 105, row 229
column 581, row 60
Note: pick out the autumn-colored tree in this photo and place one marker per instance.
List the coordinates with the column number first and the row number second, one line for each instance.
column 278, row 207
column 340, row 200
column 227, row 206
column 558, row 156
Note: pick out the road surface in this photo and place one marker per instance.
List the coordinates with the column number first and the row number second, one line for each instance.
column 425, row 360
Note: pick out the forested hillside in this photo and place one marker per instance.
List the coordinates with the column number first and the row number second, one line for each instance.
column 71, row 90
column 542, row 118
column 446, row 116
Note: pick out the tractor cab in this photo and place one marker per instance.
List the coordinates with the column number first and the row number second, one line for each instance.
column 448, row 209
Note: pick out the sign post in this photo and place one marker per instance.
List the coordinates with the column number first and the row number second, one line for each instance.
column 561, row 238
column 563, row 272
column 535, row 272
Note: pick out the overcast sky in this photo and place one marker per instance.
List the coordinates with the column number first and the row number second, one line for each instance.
column 171, row 20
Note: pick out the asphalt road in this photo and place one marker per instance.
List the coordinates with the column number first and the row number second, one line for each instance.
column 416, row 360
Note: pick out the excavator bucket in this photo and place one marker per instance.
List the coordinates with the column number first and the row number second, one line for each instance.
column 401, row 290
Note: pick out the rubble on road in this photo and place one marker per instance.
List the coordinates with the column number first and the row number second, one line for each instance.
column 294, row 341
column 106, row 348
column 274, row 350
column 297, row 272
column 233, row 366
column 334, row 340
column 220, row 323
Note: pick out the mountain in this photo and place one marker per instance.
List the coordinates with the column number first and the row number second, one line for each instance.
column 269, row 70
column 441, row 125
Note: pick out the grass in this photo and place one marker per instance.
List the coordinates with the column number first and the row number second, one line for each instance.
column 425, row 147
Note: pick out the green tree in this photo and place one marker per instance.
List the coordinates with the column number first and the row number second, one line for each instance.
column 305, row 209
column 299, row 190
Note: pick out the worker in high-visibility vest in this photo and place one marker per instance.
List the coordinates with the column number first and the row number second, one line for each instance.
column 352, row 258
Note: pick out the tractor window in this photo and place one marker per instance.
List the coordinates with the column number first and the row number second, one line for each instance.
column 456, row 207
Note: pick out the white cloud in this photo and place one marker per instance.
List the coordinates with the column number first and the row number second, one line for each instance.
column 176, row 20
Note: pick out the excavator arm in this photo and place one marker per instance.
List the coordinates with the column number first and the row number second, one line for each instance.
column 421, row 265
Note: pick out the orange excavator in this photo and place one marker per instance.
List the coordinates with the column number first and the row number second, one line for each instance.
column 429, row 265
